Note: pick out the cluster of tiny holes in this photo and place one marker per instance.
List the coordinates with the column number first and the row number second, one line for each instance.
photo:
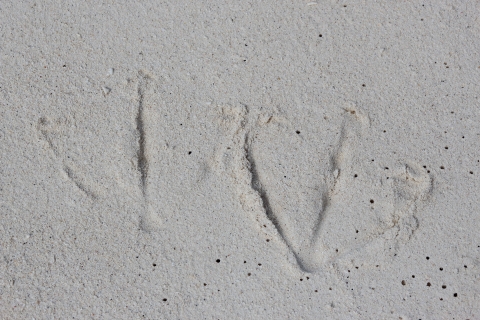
column 429, row 284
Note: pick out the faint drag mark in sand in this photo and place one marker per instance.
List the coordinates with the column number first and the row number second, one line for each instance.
column 288, row 202
column 412, row 186
column 409, row 189
column 145, row 92
column 52, row 132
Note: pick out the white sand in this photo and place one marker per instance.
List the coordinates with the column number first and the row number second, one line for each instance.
column 240, row 160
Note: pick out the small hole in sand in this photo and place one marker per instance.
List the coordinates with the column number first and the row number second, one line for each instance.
column 298, row 132
column 403, row 282
column 320, row 35
column 444, row 287
column 471, row 172
column 249, row 274
column 428, row 284
column 455, row 295
column 363, row 85
column 371, row 201
column 442, row 167
column 189, row 152
column 164, row 299
column 441, row 269
column 154, row 264
column 446, row 148
column 428, row 258
column 413, row 276
column 355, row 175
column 218, row 260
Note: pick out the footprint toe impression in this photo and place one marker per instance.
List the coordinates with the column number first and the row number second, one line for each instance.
column 55, row 133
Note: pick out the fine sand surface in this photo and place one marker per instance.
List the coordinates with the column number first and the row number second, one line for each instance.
column 240, row 159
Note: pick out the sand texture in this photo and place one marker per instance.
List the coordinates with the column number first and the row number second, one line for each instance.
column 239, row 160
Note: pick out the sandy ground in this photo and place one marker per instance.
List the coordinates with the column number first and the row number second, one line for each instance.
column 239, row 160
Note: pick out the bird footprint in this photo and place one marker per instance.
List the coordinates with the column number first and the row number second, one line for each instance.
column 293, row 183
column 288, row 177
